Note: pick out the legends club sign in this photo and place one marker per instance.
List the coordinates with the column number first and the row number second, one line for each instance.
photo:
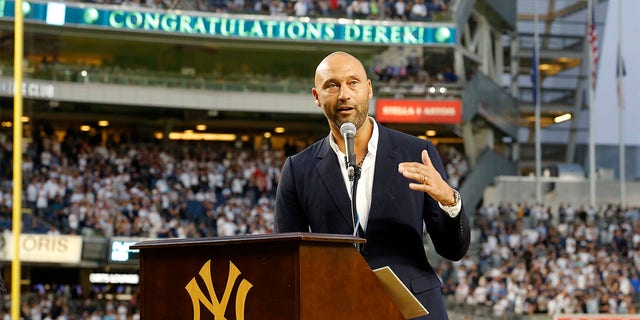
column 234, row 26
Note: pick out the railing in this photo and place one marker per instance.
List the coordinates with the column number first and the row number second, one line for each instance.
column 411, row 90
column 227, row 82
column 138, row 77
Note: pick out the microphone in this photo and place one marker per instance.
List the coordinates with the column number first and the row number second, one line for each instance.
column 348, row 131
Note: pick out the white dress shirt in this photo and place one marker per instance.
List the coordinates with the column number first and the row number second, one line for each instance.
column 365, row 184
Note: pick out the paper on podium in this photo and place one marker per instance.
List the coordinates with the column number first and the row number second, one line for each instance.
column 406, row 302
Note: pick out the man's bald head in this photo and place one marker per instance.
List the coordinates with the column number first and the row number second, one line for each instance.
column 338, row 59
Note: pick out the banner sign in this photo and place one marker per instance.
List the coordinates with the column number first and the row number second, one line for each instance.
column 255, row 27
column 30, row 89
column 418, row 111
column 43, row 248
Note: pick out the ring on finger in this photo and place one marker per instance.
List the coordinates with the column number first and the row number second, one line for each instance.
column 424, row 179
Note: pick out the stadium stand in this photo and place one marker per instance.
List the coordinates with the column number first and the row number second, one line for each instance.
column 76, row 186
column 406, row 78
column 523, row 252
column 154, row 191
column 433, row 10
column 149, row 191
column 542, row 260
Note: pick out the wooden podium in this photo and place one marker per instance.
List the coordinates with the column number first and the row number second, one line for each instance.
column 278, row 276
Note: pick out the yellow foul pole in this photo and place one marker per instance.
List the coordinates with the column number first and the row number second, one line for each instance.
column 17, row 160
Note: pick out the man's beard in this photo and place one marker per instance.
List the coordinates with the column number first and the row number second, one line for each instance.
column 358, row 119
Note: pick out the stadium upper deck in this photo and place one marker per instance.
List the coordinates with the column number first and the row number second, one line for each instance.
column 92, row 62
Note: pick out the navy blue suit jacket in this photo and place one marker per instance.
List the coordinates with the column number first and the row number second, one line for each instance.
column 312, row 196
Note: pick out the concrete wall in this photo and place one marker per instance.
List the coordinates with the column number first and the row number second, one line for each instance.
column 556, row 191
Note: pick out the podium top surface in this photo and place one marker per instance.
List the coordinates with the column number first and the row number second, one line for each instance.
column 306, row 237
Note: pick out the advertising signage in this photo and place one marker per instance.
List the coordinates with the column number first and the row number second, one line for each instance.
column 419, row 111
column 43, row 248
column 250, row 27
column 119, row 251
column 30, row 88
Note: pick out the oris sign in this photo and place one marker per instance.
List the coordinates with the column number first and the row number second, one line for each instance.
column 43, row 248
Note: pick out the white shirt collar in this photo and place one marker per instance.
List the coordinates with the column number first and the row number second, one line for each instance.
column 372, row 146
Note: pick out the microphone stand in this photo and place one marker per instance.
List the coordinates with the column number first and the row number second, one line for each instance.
column 354, row 176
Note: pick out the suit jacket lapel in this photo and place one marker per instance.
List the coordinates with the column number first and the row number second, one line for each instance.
column 385, row 168
column 331, row 176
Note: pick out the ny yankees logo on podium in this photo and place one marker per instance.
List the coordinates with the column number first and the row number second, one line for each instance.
column 216, row 306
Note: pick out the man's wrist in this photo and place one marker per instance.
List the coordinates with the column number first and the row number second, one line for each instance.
column 456, row 199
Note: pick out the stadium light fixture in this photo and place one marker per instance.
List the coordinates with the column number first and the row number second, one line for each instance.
column 562, row 118
column 190, row 135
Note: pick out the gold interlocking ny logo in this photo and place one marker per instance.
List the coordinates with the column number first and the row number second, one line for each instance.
column 213, row 304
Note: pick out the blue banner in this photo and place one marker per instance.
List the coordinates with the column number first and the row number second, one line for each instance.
column 250, row 27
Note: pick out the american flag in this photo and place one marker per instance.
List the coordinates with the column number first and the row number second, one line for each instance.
column 593, row 44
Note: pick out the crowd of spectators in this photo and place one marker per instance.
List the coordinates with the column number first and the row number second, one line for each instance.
column 147, row 190
column 411, row 72
column 526, row 260
column 455, row 164
column 137, row 190
column 412, row 10
column 66, row 302
column 541, row 260
column 151, row 190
